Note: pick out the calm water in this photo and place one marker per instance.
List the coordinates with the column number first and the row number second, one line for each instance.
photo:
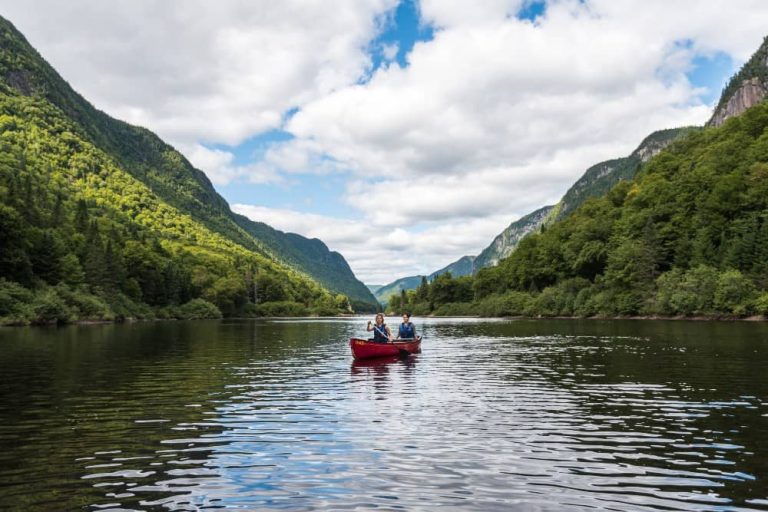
column 514, row 415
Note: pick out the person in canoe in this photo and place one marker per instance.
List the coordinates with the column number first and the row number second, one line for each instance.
column 407, row 330
column 381, row 332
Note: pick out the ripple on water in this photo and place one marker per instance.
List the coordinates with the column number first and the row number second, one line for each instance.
column 493, row 415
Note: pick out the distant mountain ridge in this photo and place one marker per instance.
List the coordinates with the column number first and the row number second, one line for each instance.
column 170, row 175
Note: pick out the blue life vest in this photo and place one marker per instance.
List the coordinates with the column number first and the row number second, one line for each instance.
column 380, row 333
column 407, row 330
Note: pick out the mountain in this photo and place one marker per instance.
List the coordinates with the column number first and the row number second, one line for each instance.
column 374, row 287
column 745, row 89
column 686, row 235
column 461, row 267
column 124, row 190
column 394, row 288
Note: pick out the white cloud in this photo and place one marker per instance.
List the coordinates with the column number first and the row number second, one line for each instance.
column 490, row 120
column 453, row 13
column 389, row 51
column 200, row 71
column 501, row 93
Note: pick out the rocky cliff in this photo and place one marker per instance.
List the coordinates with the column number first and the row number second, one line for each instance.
column 750, row 93
column 745, row 89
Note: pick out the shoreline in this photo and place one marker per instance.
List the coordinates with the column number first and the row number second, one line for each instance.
column 676, row 318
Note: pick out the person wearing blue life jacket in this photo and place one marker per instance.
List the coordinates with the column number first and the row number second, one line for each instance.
column 407, row 330
column 381, row 333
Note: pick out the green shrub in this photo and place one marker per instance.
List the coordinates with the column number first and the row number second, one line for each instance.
column 324, row 310
column 49, row 307
column 14, row 299
column 85, row 306
column 455, row 309
column 595, row 300
column 124, row 308
column 760, row 304
column 421, row 309
column 560, row 299
column 688, row 292
column 734, row 293
column 510, row 304
column 198, row 309
column 167, row 313
column 583, row 305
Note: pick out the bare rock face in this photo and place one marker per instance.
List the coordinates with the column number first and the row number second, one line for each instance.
column 652, row 148
column 21, row 80
column 748, row 95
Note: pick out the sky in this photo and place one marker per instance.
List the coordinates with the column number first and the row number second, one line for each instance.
column 404, row 134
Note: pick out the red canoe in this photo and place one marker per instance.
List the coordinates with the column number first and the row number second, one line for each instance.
column 367, row 349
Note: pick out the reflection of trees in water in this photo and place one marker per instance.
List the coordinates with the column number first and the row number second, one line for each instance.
column 83, row 396
column 663, row 395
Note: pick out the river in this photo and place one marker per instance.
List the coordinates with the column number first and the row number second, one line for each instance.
column 493, row 415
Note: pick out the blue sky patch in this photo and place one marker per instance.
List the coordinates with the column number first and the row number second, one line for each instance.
column 532, row 9
column 712, row 72
column 403, row 30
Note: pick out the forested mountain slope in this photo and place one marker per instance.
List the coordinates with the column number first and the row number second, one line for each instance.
column 102, row 220
column 167, row 173
column 506, row 241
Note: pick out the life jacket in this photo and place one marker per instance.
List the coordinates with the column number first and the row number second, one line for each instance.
column 407, row 330
column 380, row 333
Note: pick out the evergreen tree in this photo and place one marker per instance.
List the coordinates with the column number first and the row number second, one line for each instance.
column 422, row 292
column 57, row 214
column 14, row 260
column 94, row 260
column 45, row 255
column 82, row 221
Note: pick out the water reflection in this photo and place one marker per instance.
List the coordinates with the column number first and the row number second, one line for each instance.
column 535, row 415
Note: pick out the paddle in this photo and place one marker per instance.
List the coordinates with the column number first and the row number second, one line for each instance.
column 402, row 351
column 379, row 330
